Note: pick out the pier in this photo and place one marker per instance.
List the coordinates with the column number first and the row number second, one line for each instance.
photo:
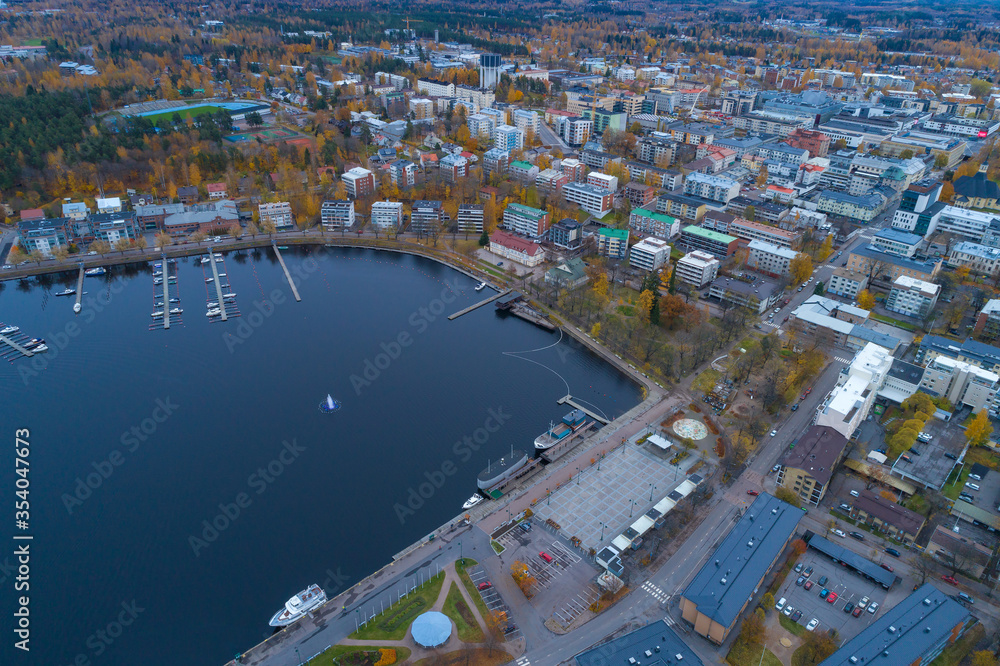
column 166, row 293
column 478, row 305
column 291, row 283
column 513, row 302
column 557, row 451
column 568, row 400
column 16, row 347
column 79, row 290
column 218, row 286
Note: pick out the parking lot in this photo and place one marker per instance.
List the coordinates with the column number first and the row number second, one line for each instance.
column 494, row 602
column 849, row 587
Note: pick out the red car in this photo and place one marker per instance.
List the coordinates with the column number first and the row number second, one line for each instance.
column 808, row 391
column 485, row 586
column 545, row 556
column 752, row 492
column 857, row 612
column 830, row 598
column 886, row 567
column 808, row 585
column 949, row 579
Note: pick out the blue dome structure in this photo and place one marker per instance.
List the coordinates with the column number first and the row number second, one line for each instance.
column 431, row 629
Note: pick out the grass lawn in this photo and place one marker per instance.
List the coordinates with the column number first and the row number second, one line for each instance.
column 983, row 456
column 919, row 504
column 469, row 587
column 477, row 656
column 465, row 622
column 184, row 113
column 705, row 381
column 956, row 481
column 894, row 322
column 36, row 41
column 326, row 657
column 393, row 624
column 955, row 653
column 791, row 627
column 497, row 547
column 743, row 653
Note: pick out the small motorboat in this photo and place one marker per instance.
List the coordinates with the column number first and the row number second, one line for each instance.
column 39, row 349
column 205, row 260
column 157, row 314
column 207, row 280
column 472, row 501
column 34, row 342
column 9, row 329
column 213, row 312
column 329, row 405
column 158, row 280
column 217, row 255
column 172, row 279
column 480, row 286
column 66, row 292
column 176, row 311
column 157, row 265
column 175, row 300
column 76, row 307
column 91, row 272
column 213, row 304
column 157, row 273
column 222, row 275
column 229, row 296
column 158, row 304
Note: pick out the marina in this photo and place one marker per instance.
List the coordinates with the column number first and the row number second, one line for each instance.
column 165, row 311
column 224, row 304
column 568, row 400
column 16, row 348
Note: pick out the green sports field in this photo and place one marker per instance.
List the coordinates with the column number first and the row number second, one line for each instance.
column 183, row 112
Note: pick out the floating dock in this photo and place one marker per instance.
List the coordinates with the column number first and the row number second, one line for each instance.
column 166, row 293
column 557, row 451
column 281, row 260
column 218, row 285
column 513, row 302
column 16, row 347
column 79, row 291
column 478, row 305
column 568, row 400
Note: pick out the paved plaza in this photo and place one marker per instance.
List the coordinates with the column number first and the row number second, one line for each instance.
column 606, row 495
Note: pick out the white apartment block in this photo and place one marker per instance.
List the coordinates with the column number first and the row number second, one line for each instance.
column 595, row 200
column 715, row 188
column 278, row 214
column 508, row 137
column 337, row 213
column 602, row 180
column 697, row 268
column 961, row 383
column 575, row 131
column 848, row 403
column 470, row 218
column 387, row 214
column 435, row 88
column 769, row 258
column 912, row 297
column 525, row 121
column 979, row 258
column 481, row 125
column 965, row 222
column 847, row 283
column 649, row 254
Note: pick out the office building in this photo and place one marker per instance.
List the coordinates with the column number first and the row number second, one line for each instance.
column 896, row 242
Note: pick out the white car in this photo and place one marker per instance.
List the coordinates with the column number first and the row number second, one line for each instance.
column 813, row 623
column 781, row 604
column 863, row 602
column 839, row 533
column 788, row 610
column 773, row 433
column 872, row 607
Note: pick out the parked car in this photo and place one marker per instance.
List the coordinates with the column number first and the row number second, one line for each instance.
column 808, row 572
column 545, row 556
column 832, row 597
column 796, row 616
column 872, row 607
column 774, row 433
column 813, row 623
column 857, row 611
column 776, row 468
column 886, row 567
column 824, row 593
column 485, row 586
column 892, row 551
column 799, row 581
column 822, row 580
column 808, row 585
column 788, row 611
column 949, row 579
column 799, row 567
column 752, row 492
column 858, row 535
column 951, row 456
column 839, row 533
column 795, row 407
column 844, row 507
column 864, row 602
column 781, row 604
column 848, row 607
column 855, row 493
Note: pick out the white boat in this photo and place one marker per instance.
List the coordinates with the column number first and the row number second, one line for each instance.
column 472, row 501
column 480, row 286
column 207, row 280
column 176, row 311
column 217, row 255
column 157, row 273
column 158, row 304
column 213, row 304
column 214, row 312
column 175, row 300
column 229, row 297
column 157, row 314
column 9, row 329
column 205, row 260
column 157, row 265
column 39, row 348
column 76, row 307
column 172, row 279
column 305, row 601
column 157, row 280
column 222, row 275
column 95, row 271
column 66, row 292
column 572, row 423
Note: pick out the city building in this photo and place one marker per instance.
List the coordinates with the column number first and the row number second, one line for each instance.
column 783, row 153
column 574, row 168
column 886, row 517
column 516, row 249
column 421, row 108
column 639, row 195
column 770, row 259
column 217, row 191
column 971, row 351
column 612, row 243
column 480, row 125
column 834, row 324
column 525, row 220
column 714, row 188
column 568, row 274
column 566, row 233
column 278, row 214
column 808, row 466
column 914, row 631
column 595, row 200
column 649, row 254
column 846, row 282
column 950, row 548
column 962, row 383
column 435, row 88
column 656, row 150
column 211, row 217
column 575, row 131
column 550, row 182
column 359, row 182
column 816, row 143
column 523, row 171
column 43, row 235
column 403, row 173
column 426, row 216
column 639, row 646
column 848, row 403
column 912, row 297
column 971, row 224
column 887, row 267
column 603, row 180
column 387, row 214
column 649, row 223
column 470, row 218
column 697, row 268
column 862, row 208
column 526, row 121
column 681, row 207
column 976, row 191
column 717, row 244
column 902, row 381
column 188, row 195
column 988, row 321
column 752, row 231
column 726, row 585
column 495, row 161
column 508, row 137
column 894, row 241
column 337, row 213
column 758, row 296
column 453, row 167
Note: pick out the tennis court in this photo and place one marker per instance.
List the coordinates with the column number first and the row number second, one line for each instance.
column 269, row 134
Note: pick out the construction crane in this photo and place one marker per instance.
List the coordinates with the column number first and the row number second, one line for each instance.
column 692, row 114
column 407, row 20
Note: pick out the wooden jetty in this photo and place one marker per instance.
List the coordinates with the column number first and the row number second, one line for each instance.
column 513, row 302
column 288, row 276
column 218, row 286
column 15, row 346
column 478, row 305
column 568, row 400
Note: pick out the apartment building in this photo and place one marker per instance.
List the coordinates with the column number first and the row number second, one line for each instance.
column 278, row 214
column 421, row 108
column 971, row 351
column 435, row 88
column 508, row 137
column 44, row 235
column 887, row 267
column 848, row 403
column 595, row 200
column 912, row 297
column 403, row 173
column 815, row 143
column 770, row 259
column 714, row 188
column 470, row 218
column 526, row 121
column 862, row 208
column 896, row 242
column 639, row 195
column 566, row 233
column 359, row 182
column 783, row 153
column 681, row 207
column 337, row 214
column 758, row 296
column 525, row 220
column 751, row 231
column 496, row 161
column 961, row 383
column 808, row 466
column 649, row 254
column 603, row 181
column 717, row 244
column 887, row 518
column 426, row 216
column 697, row 268
column 526, row 172
column 650, row 223
column 574, row 168
column 980, row 259
column 612, row 243
column 480, row 125
column 847, row 283
column 660, row 151
column 453, row 167
column 550, row 182
column 387, row 214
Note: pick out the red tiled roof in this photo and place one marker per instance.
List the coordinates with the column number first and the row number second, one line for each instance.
column 515, row 243
column 216, row 187
column 32, row 214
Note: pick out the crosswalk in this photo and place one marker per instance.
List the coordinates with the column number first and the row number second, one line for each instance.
column 655, row 592
column 523, row 661
column 842, row 359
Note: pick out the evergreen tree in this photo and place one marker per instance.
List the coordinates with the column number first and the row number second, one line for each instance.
column 673, row 280
column 654, row 312
column 484, row 240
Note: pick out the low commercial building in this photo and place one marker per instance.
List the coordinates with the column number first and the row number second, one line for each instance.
column 654, row 641
column 848, row 403
column 887, row 517
column 912, row 297
column 807, row 468
column 612, row 243
column 697, row 268
column 727, row 584
column 517, row 249
column 207, row 218
column 769, row 258
column 833, row 323
column 649, row 223
column 757, row 296
column 649, row 254
column 337, row 214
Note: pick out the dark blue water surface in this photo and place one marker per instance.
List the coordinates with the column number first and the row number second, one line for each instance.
column 169, row 425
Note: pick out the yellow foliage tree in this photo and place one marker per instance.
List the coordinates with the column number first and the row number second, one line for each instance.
column 866, row 300
column 801, row 268
column 978, row 432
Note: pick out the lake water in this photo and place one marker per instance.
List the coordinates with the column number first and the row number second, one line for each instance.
column 184, row 483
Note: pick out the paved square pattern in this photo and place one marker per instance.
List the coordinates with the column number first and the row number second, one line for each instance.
column 606, row 495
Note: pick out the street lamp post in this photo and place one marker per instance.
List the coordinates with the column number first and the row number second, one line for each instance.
column 651, row 489
column 602, row 531
column 299, row 656
column 631, row 507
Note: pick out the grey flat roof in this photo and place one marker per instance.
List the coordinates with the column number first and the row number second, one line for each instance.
column 866, row 568
column 906, row 632
column 906, row 371
column 721, row 588
column 816, row 452
column 664, row 646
